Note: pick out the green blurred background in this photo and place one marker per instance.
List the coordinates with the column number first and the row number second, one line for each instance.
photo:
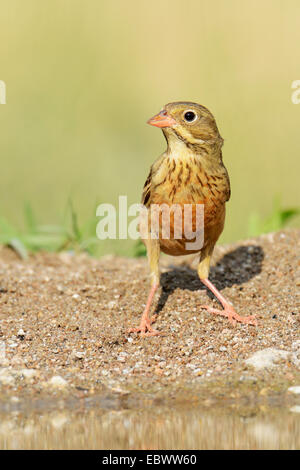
column 83, row 77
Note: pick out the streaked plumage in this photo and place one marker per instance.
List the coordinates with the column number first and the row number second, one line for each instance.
column 190, row 171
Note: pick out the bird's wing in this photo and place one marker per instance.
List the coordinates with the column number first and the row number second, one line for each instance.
column 226, row 186
column 149, row 184
column 147, row 190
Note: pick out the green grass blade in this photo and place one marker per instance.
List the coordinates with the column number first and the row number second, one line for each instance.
column 17, row 245
column 30, row 219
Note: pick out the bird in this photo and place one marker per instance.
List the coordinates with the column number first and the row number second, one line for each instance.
column 190, row 172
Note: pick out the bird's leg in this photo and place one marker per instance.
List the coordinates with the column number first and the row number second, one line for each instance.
column 145, row 327
column 228, row 311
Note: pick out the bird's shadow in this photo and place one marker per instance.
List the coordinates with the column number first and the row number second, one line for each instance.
column 236, row 267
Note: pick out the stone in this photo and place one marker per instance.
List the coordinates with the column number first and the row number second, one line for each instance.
column 58, row 381
column 266, row 358
column 295, row 389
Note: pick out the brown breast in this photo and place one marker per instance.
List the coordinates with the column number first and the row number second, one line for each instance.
column 175, row 183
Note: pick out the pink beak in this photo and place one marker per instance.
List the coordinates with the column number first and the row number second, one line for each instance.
column 162, row 119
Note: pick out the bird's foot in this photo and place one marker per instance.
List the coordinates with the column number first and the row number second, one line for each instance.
column 231, row 314
column 145, row 328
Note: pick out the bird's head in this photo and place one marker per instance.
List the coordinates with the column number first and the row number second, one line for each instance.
column 188, row 122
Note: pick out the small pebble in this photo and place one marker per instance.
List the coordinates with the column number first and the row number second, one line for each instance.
column 21, row 334
column 58, row 381
column 79, row 355
column 295, row 389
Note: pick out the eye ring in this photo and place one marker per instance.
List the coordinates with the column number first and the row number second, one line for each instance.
column 190, row 116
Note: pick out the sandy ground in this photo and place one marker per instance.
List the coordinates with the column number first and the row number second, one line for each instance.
column 64, row 321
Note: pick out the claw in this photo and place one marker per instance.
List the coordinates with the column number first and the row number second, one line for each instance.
column 145, row 330
column 231, row 314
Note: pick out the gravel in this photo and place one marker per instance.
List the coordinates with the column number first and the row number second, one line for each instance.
column 66, row 317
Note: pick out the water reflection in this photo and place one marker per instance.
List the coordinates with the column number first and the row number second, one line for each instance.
column 160, row 428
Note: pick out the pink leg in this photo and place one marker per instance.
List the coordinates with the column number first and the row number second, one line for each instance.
column 228, row 311
column 145, row 327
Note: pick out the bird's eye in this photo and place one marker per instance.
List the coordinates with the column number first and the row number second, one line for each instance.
column 190, row 116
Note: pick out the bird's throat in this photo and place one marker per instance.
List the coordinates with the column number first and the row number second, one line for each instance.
column 184, row 146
